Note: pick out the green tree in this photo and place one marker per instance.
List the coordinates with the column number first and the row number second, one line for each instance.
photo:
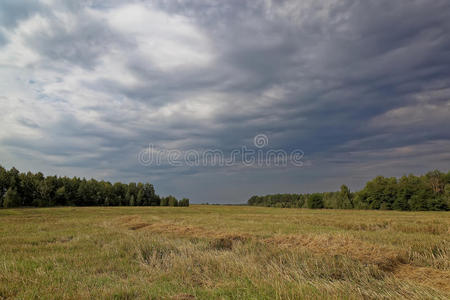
column 60, row 196
column 128, row 197
column 183, row 202
column 172, row 201
column 420, row 200
column 315, row 201
column 13, row 178
column 447, row 194
column 436, row 180
column 149, row 197
column 437, row 203
column 38, row 190
column 132, row 190
column 45, row 193
column 140, row 197
column 4, row 183
column 345, row 198
column 11, row 198
column 118, row 193
column 164, row 201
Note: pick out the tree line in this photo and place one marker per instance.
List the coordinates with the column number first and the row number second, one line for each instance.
column 427, row 192
column 28, row 189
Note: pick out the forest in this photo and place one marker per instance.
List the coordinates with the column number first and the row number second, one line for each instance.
column 28, row 189
column 427, row 192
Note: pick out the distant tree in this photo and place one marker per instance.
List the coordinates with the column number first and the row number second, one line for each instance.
column 437, row 181
column 11, row 198
column 447, row 194
column 38, row 190
column 345, row 198
column 118, row 193
column 128, row 196
column 13, row 178
column 165, row 201
column 71, row 186
column 93, row 187
column 107, row 193
column 4, row 183
column 60, row 196
column 27, row 189
column 315, row 201
column 428, row 192
column 140, row 197
column 418, row 202
column 132, row 190
column 46, row 191
column 254, row 200
column 82, row 193
column 407, row 187
column 172, row 201
column 149, row 196
column 157, row 200
column 183, row 202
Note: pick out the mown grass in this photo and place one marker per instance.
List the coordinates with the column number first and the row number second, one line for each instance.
column 217, row 252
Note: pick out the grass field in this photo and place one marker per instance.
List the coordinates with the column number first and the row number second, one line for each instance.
column 229, row 252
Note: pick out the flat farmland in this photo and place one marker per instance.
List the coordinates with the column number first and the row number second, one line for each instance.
column 222, row 252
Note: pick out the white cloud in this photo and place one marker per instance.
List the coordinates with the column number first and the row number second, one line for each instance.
column 17, row 53
column 168, row 41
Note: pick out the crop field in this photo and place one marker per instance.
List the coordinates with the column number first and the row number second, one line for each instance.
column 223, row 252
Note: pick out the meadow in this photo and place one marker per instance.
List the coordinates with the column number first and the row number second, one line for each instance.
column 223, row 252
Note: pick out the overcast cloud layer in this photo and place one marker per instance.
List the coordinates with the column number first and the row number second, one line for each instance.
column 362, row 87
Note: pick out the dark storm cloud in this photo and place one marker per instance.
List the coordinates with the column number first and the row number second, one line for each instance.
column 354, row 84
column 359, row 63
column 81, row 45
column 14, row 11
column 3, row 39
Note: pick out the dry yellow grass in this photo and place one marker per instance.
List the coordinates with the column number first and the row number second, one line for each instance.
column 205, row 252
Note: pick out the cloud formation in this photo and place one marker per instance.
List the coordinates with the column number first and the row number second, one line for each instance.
column 362, row 87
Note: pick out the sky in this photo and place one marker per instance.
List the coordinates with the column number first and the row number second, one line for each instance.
column 359, row 88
